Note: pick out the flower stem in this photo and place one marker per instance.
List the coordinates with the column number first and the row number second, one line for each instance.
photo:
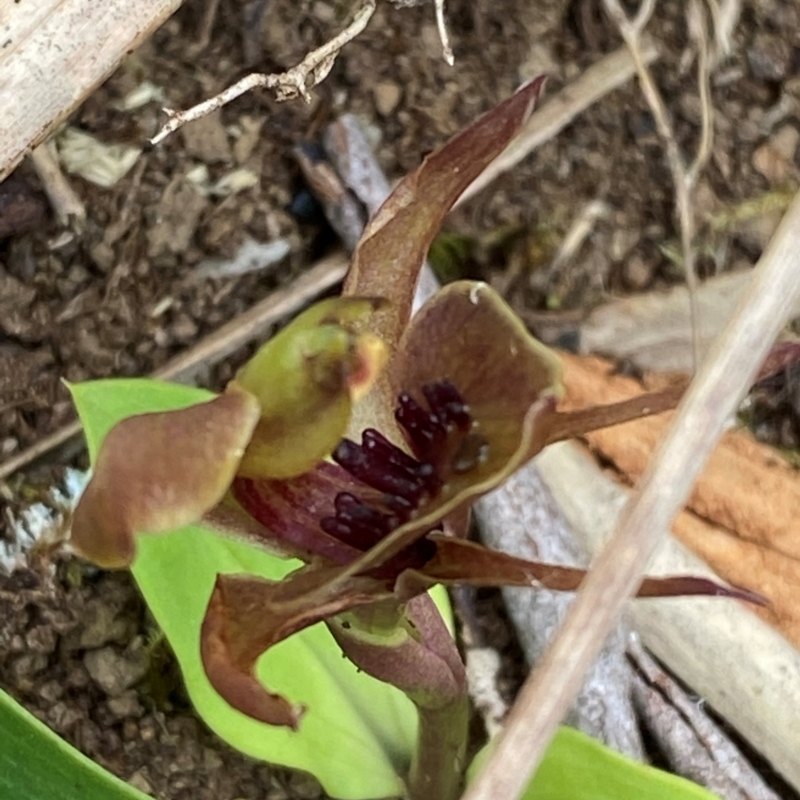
column 437, row 769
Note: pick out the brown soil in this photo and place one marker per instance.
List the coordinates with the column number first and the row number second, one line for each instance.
column 121, row 296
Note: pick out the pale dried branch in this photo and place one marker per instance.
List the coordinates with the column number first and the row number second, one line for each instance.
column 296, row 82
column 65, row 202
column 712, row 398
column 699, row 639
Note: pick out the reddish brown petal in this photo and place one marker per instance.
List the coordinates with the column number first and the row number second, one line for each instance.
column 458, row 561
column 510, row 381
column 391, row 251
column 290, row 511
column 157, row 472
column 246, row 616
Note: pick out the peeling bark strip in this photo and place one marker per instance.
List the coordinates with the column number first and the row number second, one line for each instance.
column 743, row 516
column 694, row 744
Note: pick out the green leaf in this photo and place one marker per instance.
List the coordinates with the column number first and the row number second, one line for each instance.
column 577, row 767
column 358, row 733
column 35, row 764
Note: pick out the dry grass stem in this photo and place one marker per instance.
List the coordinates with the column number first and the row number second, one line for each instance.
column 296, row 82
column 441, row 24
column 206, row 27
column 724, row 14
column 579, row 230
column 684, row 179
column 711, row 400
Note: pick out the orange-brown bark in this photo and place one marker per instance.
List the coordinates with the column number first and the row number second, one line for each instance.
column 743, row 516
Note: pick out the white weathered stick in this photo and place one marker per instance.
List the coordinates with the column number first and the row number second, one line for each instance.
column 740, row 665
column 63, row 200
column 54, row 53
column 713, row 396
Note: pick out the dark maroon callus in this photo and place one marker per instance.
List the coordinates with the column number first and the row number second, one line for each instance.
column 440, row 439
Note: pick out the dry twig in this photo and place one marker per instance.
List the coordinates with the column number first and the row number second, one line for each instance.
column 725, row 15
column 683, row 178
column 294, row 83
column 65, row 203
column 695, row 745
column 713, row 396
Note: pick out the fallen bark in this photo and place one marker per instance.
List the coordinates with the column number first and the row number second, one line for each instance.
column 743, row 516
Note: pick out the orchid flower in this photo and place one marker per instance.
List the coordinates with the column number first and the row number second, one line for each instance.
column 357, row 440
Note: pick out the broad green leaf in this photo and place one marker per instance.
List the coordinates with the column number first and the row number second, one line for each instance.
column 577, row 767
column 35, row 764
column 357, row 734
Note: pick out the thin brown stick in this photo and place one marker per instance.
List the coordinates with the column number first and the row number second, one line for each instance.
column 250, row 325
column 697, row 747
column 293, row 83
column 206, row 27
column 712, row 398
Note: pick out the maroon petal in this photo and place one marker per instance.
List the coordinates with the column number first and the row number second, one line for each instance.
column 157, row 472
column 391, row 251
column 290, row 511
column 469, row 336
column 462, row 562
column 246, row 616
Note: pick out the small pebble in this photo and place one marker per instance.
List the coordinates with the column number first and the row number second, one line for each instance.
column 770, row 56
column 387, row 97
column 112, row 671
